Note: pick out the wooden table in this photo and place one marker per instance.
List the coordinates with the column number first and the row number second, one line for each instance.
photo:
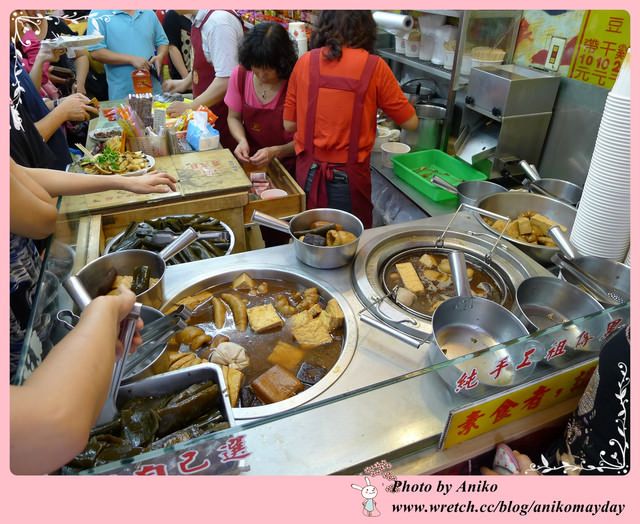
column 210, row 182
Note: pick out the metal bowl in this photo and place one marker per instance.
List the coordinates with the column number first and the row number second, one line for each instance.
column 271, row 272
column 562, row 188
column 545, row 302
column 116, row 238
column 512, row 203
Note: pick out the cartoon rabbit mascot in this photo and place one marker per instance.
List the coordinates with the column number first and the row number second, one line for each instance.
column 369, row 493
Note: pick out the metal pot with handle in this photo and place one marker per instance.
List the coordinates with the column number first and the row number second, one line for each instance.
column 470, row 192
column 607, row 280
column 463, row 328
column 562, row 190
column 321, row 257
column 93, row 275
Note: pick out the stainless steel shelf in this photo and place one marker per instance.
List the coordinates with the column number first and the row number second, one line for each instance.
column 421, row 65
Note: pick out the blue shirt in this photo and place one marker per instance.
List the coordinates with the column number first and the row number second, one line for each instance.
column 137, row 35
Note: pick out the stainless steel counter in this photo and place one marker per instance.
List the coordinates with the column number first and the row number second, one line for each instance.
column 339, row 429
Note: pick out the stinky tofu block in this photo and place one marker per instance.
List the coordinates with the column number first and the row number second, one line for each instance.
column 544, row 223
column 410, row 278
column 428, row 260
column 276, row 384
column 264, row 318
column 299, row 319
column 524, row 226
column 312, row 334
column 332, row 316
column 244, row 281
column 286, row 355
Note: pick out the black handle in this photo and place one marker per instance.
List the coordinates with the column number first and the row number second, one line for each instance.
column 469, row 100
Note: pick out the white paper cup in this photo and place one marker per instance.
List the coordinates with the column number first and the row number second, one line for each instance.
column 391, row 149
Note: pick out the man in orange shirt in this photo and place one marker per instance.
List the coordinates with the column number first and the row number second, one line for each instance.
column 334, row 93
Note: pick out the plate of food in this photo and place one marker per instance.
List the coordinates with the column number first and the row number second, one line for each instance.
column 111, row 162
column 102, row 134
column 73, row 41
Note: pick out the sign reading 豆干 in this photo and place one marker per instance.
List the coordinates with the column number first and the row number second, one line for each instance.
column 601, row 47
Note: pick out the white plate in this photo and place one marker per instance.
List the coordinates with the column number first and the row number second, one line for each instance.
column 117, row 131
column 150, row 161
column 74, row 41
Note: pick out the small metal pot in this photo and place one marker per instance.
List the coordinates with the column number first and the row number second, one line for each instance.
column 547, row 301
column 92, row 275
column 561, row 189
column 544, row 302
column 321, row 257
column 470, row 192
column 612, row 276
column 465, row 324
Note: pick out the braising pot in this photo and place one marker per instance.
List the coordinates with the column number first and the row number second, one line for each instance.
column 321, row 257
column 92, row 275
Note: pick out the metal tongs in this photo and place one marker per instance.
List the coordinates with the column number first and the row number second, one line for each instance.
column 154, row 337
column 79, row 294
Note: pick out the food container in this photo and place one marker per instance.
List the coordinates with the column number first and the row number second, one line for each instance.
column 321, row 257
column 124, row 262
column 173, row 381
column 512, row 203
column 417, row 168
column 470, row 192
column 179, row 223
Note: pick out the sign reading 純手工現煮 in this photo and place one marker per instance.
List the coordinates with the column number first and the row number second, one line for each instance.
column 482, row 416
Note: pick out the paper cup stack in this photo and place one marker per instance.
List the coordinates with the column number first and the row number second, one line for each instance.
column 602, row 225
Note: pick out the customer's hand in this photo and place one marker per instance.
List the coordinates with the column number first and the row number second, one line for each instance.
column 177, row 108
column 524, row 464
column 46, row 53
column 175, row 86
column 151, row 182
column 139, row 62
column 76, row 108
column 125, row 299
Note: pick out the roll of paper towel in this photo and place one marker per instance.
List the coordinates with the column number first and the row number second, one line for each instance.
column 393, row 23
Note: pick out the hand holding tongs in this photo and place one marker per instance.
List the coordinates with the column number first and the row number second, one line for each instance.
column 79, row 294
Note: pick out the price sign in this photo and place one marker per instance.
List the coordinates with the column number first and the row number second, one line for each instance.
column 601, row 48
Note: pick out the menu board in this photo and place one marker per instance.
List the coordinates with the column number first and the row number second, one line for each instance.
column 601, row 48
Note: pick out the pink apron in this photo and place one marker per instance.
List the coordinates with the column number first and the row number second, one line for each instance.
column 264, row 127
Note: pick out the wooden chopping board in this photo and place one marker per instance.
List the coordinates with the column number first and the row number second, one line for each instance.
column 200, row 174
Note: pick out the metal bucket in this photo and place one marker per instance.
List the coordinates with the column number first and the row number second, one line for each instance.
column 429, row 132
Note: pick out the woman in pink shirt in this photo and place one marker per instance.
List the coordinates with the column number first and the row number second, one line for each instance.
column 256, row 94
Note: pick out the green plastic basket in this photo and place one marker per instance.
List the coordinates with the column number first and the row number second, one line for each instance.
column 416, row 169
